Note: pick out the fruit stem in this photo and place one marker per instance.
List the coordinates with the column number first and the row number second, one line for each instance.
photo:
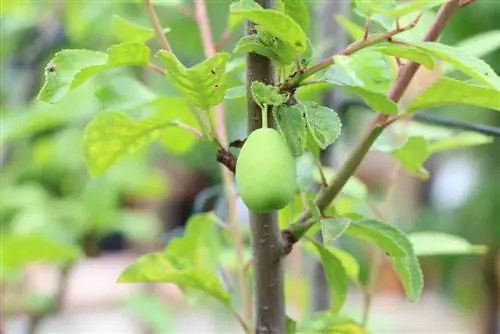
column 264, row 117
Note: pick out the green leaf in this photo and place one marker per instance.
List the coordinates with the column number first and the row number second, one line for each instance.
column 397, row 247
column 331, row 323
column 20, row 250
column 277, row 23
column 478, row 45
column 451, row 91
column 315, row 213
column 291, row 325
column 110, row 136
column 298, row 11
column 349, row 262
column 199, row 246
column 429, row 243
column 156, row 267
column 414, row 6
column 333, row 228
column 367, row 69
column 412, row 154
column 278, row 51
column 323, row 123
column 376, row 101
column 151, row 311
column 370, row 7
column 203, row 84
column 70, row 68
column 354, row 187
column 355, row 31
column 461, row 140
column 408, row 52
column 290, row 122
column 235, row 93
column 127, row 31
column 335, row 277
column 468, row 64
column 266, row 95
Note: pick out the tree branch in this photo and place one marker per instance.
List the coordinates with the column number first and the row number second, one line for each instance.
column 310, row 71
column 201, row 16
column 267, row 242
column 327, row 195
column 156, row 25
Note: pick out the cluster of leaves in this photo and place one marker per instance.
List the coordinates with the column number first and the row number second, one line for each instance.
column 306, row 126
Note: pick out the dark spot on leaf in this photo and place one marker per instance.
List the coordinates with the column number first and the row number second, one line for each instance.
column 213, row 71
column 216, row 86
column 51, row 68
column 387, row 253
column 298, row 43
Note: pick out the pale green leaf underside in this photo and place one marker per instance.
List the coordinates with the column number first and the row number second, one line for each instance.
column 412, row 155
column 20, row 250
column 333, row 228
column 335, row 275
column 430, row 243
column 376, row 101
column 451, row 91
column 292, row 126
column 464, row 62
column 70, row 68
column 265, row 95
column 275, row 22
column 460, row 140
column 397, row 247
column 156, row 267
column 204, row 84
column 323, row 123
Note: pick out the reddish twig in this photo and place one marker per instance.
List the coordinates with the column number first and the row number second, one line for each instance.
column 156, row 68
column 156, row 25
column 224, row 39
column 227, row 159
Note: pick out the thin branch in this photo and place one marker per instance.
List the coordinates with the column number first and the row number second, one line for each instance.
column 309, row 71
column 156, row 25
column 187, row 11
column 194, row 131
column 223, row 40
column 327, row 195
column 324, row 182
column 201, row 16
column 156, row 68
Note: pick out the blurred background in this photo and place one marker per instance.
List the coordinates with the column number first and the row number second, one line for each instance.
column 98, row 225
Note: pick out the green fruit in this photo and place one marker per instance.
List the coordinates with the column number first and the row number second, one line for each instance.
column 265, row 172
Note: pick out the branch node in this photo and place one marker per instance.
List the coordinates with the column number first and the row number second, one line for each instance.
column 227, row 159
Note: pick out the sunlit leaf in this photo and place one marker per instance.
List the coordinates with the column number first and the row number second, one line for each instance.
column 155, row 267
column 408, row 52
column 478, row 45
column 330, row 322
column 111, row 135
column 460, row 140
column 323, row 123
column 397, row 247
column 127, row 31
column 451, row 91
column 335, row 275
column 297, row 10
column 376, row 101
column 20, row 250
column 290, row 122
column 414, row 6
column 355, row 31
column 367, row 69
column 277, row 23
column 235, row 93
column 266, row 95
column 70, row 68
column 278, row 51
column 464, row 62
column 430, row 243
column 370, row 7
column 204, row 84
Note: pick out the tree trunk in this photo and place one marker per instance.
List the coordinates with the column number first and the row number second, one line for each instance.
column 268, row 276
